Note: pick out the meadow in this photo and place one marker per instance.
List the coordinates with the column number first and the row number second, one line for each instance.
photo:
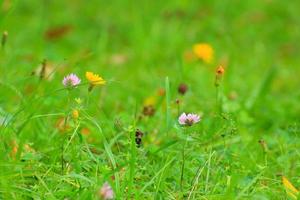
column 93, row 97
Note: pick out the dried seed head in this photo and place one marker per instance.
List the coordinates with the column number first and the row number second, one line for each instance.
column 138, row 133
column 138, row 141
column 57, row 32
column 182, row 88
column 138, row 137
column 149, row 110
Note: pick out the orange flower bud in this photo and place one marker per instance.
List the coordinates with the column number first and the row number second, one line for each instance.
column 220, row 70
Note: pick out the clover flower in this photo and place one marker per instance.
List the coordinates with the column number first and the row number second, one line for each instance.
column 71, row 80
column 204, row 51
column 106, row 192
column 188, row 119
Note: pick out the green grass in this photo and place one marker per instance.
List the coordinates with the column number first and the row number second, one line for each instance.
column 138, row 47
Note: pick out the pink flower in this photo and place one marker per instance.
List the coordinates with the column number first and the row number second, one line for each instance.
column 188, row 119
column 71, row 80
column 106, row 192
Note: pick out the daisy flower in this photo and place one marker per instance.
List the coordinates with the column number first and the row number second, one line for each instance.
column 188, row 119
column 94, row 79
column 71, row 80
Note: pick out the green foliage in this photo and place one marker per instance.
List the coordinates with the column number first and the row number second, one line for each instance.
column 249, row 133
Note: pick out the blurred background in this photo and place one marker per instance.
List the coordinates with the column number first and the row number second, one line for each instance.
column 140, row 43
column 135, row 45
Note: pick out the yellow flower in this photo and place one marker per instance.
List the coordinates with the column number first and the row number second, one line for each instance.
column 204, row 51
column 94, row 79
column 75, row 114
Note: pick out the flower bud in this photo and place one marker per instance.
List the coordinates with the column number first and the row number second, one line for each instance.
column 182, row 88
column 75, row 114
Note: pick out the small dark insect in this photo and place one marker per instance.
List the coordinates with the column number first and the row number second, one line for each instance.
column 138, row 138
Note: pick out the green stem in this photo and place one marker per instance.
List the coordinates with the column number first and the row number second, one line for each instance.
column 218, row 106
column 167, row 86
column 62, row 158
column 183, row 164
column 132, row 160
column 87, row 99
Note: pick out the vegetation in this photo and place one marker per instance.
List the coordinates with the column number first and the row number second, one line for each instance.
column 112, row 127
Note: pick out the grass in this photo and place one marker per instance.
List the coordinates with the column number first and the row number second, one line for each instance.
column 248, row 137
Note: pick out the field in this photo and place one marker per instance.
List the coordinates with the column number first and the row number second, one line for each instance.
column 115, row 129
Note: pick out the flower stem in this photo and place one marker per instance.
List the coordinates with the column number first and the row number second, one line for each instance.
column 218, row 100
column 183, row 164
column 62, row 158
column 90, row 87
